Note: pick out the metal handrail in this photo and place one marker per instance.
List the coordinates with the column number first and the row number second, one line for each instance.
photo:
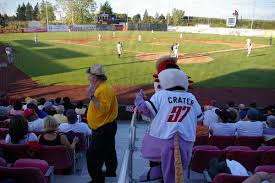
column 125, row 175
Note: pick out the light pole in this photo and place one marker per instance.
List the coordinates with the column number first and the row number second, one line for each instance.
column 47, row 17
column 253, row 14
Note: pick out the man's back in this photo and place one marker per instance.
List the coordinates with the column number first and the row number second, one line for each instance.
column 248, row 128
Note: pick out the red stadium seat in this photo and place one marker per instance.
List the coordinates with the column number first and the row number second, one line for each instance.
column 235, row 148
column 228, row 178
column 268, row 157
column 12, row 152
column 3, row 132
column 250, row 159
column 2, row 162
column 253, row 142
column 61, row 157
column 265, row 168
column 201, row 140
column 222, row 141
column 266, row 148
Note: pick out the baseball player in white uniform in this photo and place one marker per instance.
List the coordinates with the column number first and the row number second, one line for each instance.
column 99, row 37
column 119, row 49
column 114, row 34
column 176, row 50
column 249, row 46
column 35, row 39
column 139, row 38
column 181, row 36
column 173, row 110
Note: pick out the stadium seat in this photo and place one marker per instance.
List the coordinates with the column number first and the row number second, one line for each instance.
column 268, row 157
column 222, row 141
column 228, row 178
column 81, row 146
column 2, row 162
column 12, row 152
column 201, row 158
column 270, row 142
column 253, row 142
column 265, row 148
column 250, row 159
column 265, row 168
column 201, row 140
column 61, row 157
column 204, row 147
column 235, row 148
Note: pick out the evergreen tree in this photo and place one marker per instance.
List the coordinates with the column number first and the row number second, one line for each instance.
column 29, row 12
column 35, row 12
column 106, row 8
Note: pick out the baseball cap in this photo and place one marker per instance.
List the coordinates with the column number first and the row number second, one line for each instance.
column 223, row 114
column 96, row 69
column 252, row 113
column 27, row 113
column 71, row 115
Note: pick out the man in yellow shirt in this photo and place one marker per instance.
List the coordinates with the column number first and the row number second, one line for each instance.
column 101, row 117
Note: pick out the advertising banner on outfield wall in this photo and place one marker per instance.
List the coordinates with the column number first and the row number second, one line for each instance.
column 58, row 28
column 118, row 27
column 11, row 30
column 104, row 27
column 35, row 30
column 83, row 27
column 220, row 31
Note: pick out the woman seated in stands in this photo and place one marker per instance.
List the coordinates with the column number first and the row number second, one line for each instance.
column 17, row 108
column 251, row 126
column 50, row 137
column 18, row 131
column 222, row 127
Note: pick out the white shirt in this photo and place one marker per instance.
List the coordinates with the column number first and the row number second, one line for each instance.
column 76, row 127
column 174, row 111
column 8, row 50
column 223, row 129
column 36, row 125
column 210, row 116
column 30, row 137
column 248, row 128
column 119, row 48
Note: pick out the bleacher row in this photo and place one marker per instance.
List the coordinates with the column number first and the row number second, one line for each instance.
column 251, row 152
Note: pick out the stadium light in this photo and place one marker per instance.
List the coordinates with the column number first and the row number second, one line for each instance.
column 47, row 17
column 253, row 14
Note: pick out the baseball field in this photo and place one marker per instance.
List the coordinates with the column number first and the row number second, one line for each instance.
column 61, row 59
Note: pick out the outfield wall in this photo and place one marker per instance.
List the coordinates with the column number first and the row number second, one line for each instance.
column 222, row 31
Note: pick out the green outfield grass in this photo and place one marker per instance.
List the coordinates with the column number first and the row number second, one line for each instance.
column 51, row 63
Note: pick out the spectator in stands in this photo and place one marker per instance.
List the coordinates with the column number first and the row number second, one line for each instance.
column 34, row 122
column 209, row 114
column 270, row 130
column 233, row 115
column 73, row 125
column 59, row 116
column 222, row 127
column 9, row 51
column 102, row 114
column 17, row 108
column 67, row 103
column 57, row 101
column 4, row 99
column 50, row 137
column 250, row 127
column 41, row 114
column 80, row 109
column 41, row 103
column 242, row 111
column 18, row 131
column 49, row 108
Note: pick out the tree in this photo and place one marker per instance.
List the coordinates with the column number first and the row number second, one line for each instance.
column 35, row 12
column 20, row 12
column 77, row 11
column 162, row 19
column 42, row 16
column 136, row 18
column 106, row 8
column 145, row 17
column 177, row 16
column 29, row 12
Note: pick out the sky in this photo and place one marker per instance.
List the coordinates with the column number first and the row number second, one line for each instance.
column 259, row 9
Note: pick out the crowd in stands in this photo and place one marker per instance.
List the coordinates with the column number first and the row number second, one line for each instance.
column 49, row 119
column 237, row 121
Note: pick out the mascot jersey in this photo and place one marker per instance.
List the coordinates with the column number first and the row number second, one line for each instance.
column 174, row 111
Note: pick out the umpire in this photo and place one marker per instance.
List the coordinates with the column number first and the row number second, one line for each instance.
column 102, row 114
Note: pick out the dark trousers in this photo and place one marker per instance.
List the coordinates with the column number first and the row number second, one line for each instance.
column 102, row 150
